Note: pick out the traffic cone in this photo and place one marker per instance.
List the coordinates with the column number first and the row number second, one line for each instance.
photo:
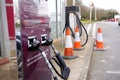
column 99, row 41
column 77, row 43
column 68, row 52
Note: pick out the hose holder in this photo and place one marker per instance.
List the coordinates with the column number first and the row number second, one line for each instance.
column 72, row 9
column 34, row 44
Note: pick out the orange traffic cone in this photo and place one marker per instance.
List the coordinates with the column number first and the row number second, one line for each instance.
column 77, row 43
column 99, row 41
column 68, row 52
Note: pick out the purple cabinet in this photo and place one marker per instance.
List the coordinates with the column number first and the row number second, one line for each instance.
column 34, row 20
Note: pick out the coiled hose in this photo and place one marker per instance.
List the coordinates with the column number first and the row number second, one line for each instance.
column 79, row 24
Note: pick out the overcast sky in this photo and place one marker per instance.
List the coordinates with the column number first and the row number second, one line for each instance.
column 105, row 4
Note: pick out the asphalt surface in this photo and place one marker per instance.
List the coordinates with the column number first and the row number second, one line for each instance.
column 105, row 65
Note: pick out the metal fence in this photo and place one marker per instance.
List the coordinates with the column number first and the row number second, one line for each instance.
column 57, row 19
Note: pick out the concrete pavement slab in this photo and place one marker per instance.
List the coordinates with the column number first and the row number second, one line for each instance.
column 79, row 66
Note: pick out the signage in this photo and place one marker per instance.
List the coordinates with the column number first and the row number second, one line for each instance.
column 10, row 19
column 34, row 19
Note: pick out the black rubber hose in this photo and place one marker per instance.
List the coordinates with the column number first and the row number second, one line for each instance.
column 79, row 24
column 83, row 28
column 55, row 68
column 67, row 25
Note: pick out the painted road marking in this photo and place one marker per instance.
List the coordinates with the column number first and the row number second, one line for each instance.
column 94, row 30
column 88, row 29
column 102, row 61
column 113, row 72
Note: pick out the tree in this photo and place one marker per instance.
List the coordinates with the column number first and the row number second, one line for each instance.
column 69, row 2
column 84, row 11
column 101, row 13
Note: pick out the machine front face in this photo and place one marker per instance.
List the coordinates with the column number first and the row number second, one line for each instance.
column 34, row 25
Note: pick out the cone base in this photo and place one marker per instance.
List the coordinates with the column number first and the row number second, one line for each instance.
column 70, row 57
column 79, row 48
column 99, row 49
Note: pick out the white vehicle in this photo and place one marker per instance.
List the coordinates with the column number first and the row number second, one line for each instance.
column 119, row 21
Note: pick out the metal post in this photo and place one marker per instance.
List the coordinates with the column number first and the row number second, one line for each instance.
column 91, row 6
column 0, row 34
column 4, row 31
column 57, row 29
column 73, row 2
column 62, row 20
column 74, row 16
column 95, row 14
column 90, row 13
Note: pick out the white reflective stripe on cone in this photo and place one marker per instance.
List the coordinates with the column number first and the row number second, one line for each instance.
column 77, row 38
column 99, row 37
column 68, row 42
